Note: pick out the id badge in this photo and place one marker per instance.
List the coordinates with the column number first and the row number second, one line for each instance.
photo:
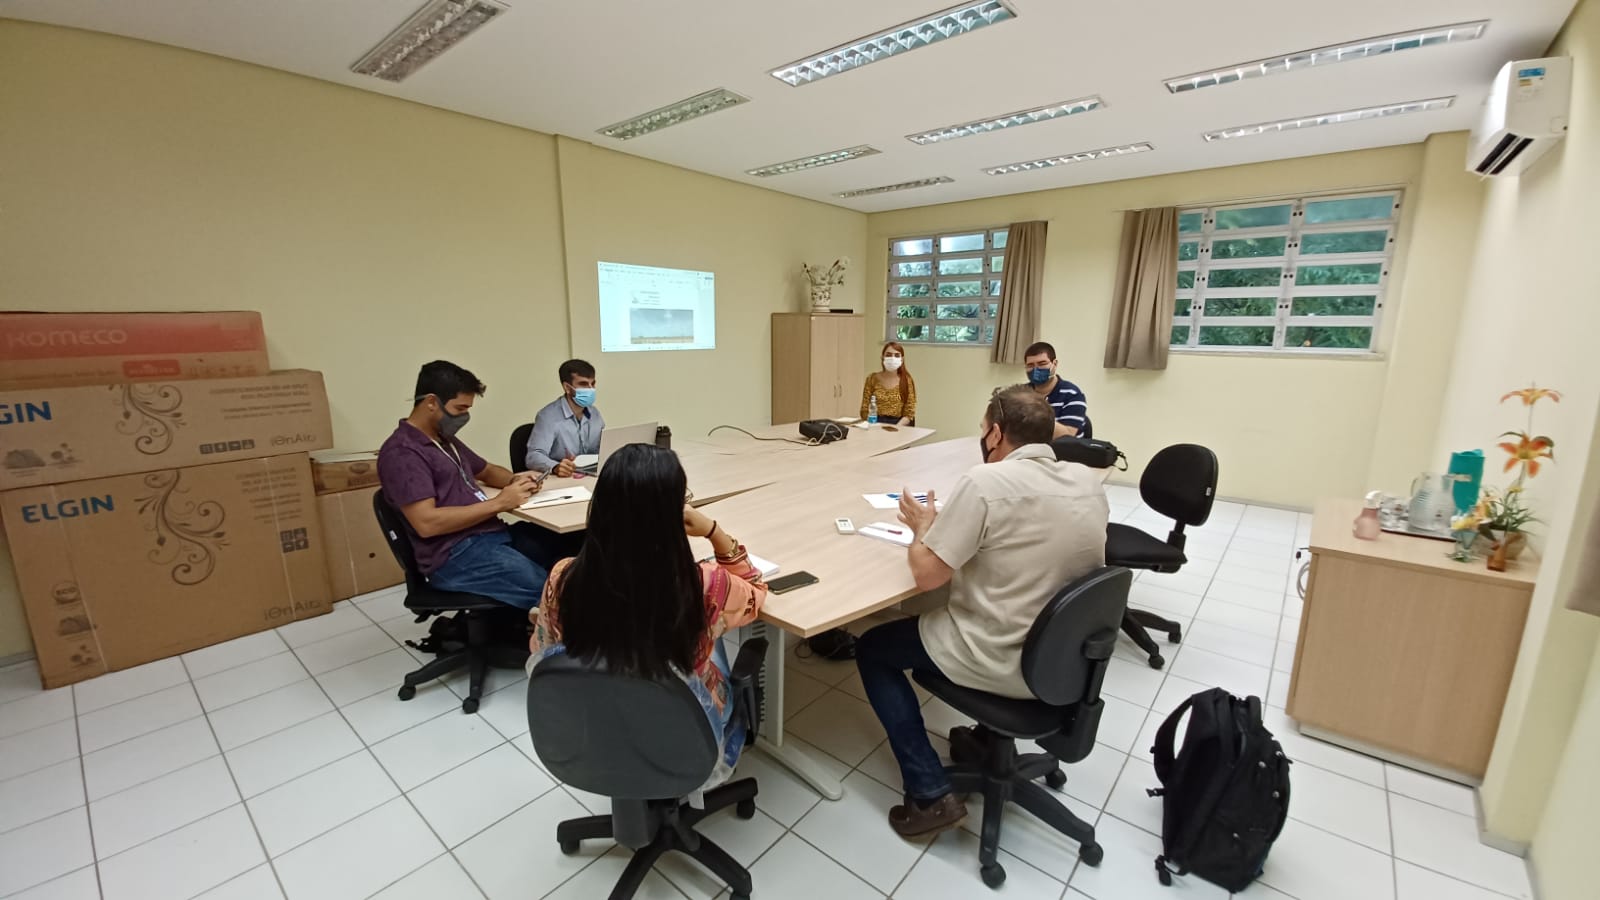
column 482, row 497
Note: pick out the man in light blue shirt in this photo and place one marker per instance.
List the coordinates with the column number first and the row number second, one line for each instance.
column 569, row 426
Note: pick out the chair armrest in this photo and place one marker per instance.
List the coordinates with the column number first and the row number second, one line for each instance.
column 744, row 684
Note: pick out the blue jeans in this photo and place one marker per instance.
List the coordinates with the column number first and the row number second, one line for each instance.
column 510, row 566
column 883, row 655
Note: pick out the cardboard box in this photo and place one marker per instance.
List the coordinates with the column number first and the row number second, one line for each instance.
column 333, row 471
column 359, row 559
column 120, row 571
column 60, row 434
column 55, row 349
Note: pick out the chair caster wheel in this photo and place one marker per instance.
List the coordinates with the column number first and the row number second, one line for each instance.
column 1056, row 780
column 1091, row 854
column 746, row 809
column 569, row 847
column 407, row 691
column 1157, row 661
column 469, row 705
column 1175, row 636
column 993, row 875
column 738, row 897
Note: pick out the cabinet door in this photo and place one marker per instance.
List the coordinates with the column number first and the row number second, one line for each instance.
column 848, row 338
column 824, row 368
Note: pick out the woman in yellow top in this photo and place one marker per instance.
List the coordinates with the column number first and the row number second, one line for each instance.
column 894, row 388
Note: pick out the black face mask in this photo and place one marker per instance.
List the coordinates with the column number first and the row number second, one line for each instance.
column 450, row 424
column 983, row 447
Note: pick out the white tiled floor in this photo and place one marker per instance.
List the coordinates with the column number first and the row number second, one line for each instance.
column 282, row 765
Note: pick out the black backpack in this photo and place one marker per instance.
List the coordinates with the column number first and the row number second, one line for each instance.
column 1225, row 794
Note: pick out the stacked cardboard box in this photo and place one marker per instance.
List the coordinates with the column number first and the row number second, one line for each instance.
column 359, row 559
column 151, row 511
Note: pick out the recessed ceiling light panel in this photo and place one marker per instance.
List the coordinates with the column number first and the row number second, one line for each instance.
column 675, row 114
column 812, row 162
column 1326, row 56
column 902, row 186
column 1333, row 118
column 431, row 30
column 1008, row 120
column 1068, row 159
column 913, row 35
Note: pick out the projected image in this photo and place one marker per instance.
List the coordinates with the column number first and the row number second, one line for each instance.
column 661, row 326
column 650, row 308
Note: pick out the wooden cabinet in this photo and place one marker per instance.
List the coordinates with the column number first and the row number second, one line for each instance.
column 816, row 366
column 1404, row 653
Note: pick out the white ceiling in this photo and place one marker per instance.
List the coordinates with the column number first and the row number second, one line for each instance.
column 572, row 66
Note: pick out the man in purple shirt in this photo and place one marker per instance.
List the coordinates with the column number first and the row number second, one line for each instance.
column 433, row 478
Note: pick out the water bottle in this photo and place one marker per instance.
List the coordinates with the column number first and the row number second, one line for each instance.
column 872, row 410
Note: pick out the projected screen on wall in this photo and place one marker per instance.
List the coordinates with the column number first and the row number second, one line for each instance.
column 648, row 308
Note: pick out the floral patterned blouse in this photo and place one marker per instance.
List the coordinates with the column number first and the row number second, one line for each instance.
column 734, row 593
column 889, row 404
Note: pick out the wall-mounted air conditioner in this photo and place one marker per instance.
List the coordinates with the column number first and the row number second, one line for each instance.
column 1525, row 115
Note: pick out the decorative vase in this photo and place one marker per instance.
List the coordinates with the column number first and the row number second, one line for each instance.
column 1515, row 542
column 1497, row 558
column 821, row 298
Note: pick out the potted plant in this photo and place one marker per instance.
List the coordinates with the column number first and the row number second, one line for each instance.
column 1501, row 518
column 823, row 281
column 1504, row 521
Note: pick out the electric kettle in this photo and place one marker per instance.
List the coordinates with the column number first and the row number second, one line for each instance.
column 1432, row 502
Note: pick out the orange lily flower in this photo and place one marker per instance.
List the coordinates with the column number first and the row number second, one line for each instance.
column 1532, row 395
column 1527, row 451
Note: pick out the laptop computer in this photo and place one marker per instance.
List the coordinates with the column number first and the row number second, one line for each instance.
column 613, row 439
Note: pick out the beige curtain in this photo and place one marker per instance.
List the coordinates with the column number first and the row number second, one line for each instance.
column 1021, row 292
column 1147, row 286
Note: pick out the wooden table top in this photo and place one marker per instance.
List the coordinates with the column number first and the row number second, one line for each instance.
column 1331, row 533
column 728, row 463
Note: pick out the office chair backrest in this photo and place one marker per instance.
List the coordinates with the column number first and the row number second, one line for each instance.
column 620, row 736
column 1063, row 643
column 1181, row 483
column 397, row 533
column 519, row 446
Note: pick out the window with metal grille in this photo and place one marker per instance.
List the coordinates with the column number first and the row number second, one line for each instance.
column 1303, row 275
column 945, row 288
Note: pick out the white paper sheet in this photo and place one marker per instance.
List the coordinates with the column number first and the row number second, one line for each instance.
column 892, row 500
column 557, row 498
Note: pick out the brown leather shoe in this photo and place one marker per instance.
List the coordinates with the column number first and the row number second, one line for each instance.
column 912, row 821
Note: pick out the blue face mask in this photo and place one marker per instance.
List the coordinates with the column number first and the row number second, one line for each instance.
column 584, row 397
column 1038, row 376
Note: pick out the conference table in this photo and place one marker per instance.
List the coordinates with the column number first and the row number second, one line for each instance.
column 780, row 496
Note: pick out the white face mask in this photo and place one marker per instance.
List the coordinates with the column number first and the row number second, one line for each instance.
column 892, row 363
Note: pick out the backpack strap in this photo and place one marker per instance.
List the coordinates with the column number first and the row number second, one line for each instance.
column 1165, row 735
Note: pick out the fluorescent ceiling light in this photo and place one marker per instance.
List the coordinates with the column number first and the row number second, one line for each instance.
column 1333, row 118
column 1008, row 120
column 913, row 35
column 431, row 30
column 675, row 114
column 1068, row 159
column 902, row 186
column 1336, row 53
column 812, row 162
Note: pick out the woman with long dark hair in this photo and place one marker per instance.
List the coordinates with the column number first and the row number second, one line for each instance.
column 634, row 596
column 893, row 387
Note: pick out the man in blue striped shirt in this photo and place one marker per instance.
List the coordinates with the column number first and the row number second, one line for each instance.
column 1068, row 403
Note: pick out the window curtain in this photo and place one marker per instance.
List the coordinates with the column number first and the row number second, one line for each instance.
column 1022, row 292
column 1146, row 292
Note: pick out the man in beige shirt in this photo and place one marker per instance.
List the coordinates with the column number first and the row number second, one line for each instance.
column 1013, row 532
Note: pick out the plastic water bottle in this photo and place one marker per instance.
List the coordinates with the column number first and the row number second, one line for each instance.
column 872, row 410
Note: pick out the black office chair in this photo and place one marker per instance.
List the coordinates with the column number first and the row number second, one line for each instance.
column 519, row 446
column 470, row 638
column 1064, row 661
column 1180, row 482
column 645, row 744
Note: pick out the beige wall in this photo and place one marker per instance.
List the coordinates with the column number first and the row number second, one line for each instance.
column 624, row 209
column 1287, row 431
column 1530, row 316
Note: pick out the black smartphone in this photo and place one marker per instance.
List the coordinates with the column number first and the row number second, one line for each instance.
column 787, row 583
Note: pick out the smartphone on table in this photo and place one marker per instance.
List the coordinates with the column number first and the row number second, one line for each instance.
column 793, row 581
